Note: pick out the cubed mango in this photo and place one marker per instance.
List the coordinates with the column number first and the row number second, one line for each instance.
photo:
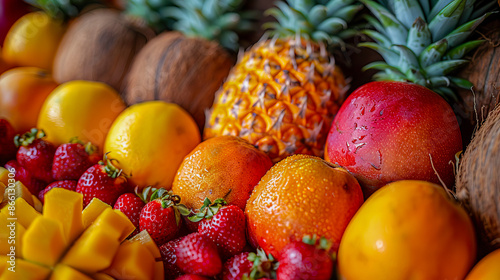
column 93, row 210
column 145, row 239
column 64, row 272
column 12, row 236
column 25, row 270
column 132, row 261
column 116, row 221
column 66, row 207
column 43, row 242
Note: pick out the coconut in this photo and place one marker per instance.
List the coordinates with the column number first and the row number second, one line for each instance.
column 484, row 73
column 100, row 45
column 478, row 181
column 179, row 69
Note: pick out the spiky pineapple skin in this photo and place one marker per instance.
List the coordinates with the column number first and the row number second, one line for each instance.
column 281, row 96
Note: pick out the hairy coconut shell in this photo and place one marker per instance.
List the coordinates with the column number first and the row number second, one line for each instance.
column 181, row 70
column 484, row 72
column 100, row 45
column 478, row 181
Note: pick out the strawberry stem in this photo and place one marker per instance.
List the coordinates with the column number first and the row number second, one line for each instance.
column 29, row 137
column 110, row 168
column 208, row 210
column 263, row 265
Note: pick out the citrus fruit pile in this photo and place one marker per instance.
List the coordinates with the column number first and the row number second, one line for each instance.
column 136, row 144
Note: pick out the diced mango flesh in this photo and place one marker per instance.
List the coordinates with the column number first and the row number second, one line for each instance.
column 11, row 193
column 93, row 251
column 159, row 273
column 132, row 260
column 102, row 276
column 93, row 210
column 26, row 271
column 43, row 242
column 11, row 237
column 145, row 239
column 22, row 211
column 37, row 204
column 66, row 207
column 64, row 272
column 2, row 191
column 116, row 221
column 4, row 176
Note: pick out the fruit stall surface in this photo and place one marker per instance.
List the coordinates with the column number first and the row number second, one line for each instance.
column 245, row 140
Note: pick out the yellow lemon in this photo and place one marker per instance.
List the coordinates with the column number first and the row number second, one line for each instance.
column 149, row 140
column 33, row 41
column 408, row 230
column 80, row 108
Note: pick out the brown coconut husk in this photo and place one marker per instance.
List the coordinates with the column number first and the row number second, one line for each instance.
column 484, row 72
column 181, row 70
column 478, row 181
column 100, row 45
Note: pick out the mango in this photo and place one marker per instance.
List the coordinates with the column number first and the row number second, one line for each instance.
column 37, row 204
column 18, row 190
column 102, row 276
column 43, row 242
column 2, row 191
column 93, row 210
column 25, row 270
column 132, row 261
column 66, row 207
column 93, row 251
column 64, row 272
column 145, row 239
column 23, row 212
column 9, row 238
column 116, row 221
column 4, row 176
column 159, row 273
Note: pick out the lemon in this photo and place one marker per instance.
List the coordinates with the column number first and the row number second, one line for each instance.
column 82, row 109
column 149, row 140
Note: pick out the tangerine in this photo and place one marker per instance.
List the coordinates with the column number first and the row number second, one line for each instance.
column 301, row 195
column 408, row 230
column 221, row 167
column 488, row 268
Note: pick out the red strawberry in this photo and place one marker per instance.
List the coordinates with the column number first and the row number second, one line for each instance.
column 191, row 277
column 305, row 260
column 250, row 266
column 35, row 154
column 104, row 181
column 224, row 225
column 169, row 258
column 197, row 254
column 131, row 205
column 22, row 175
column 71, row 160
column 65, row 184
column 7, row 148
column 161, row 217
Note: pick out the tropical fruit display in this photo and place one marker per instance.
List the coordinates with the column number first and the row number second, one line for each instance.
column 283, row 93
column 245, row 140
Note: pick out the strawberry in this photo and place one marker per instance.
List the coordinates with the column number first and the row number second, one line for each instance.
column 306, row 260
column 250, row 266
column 104, row 181
column 161, row 217
column 7, row 148
column 197, row 254
column 22, row 175
column 169, row 258
column 35, row 154
column 72, row 159
column 131, row 205
column 191, row 277
column 224, row 225
column 65, row 184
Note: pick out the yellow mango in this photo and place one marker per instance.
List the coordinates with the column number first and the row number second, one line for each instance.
column 145, row 239
column 102, row 276
column 25, row 270
column 159, row 273
column 2, row 191
column 21, row 210
column 10, row 239
column 132, row 261
column 4, row 176
column 65, row 206
column 3, row 263
column 93, row 210
column 37, row 204
column 93, row 251
column 18, row 190
column 64, row 272
column 116, row 221
column 43, row 241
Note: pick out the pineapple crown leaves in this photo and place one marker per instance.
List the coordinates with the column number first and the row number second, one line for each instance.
column 424, row 42
column 153, row 12
column 214, row 20
column 29, row 137
column 168, row 199
column 263, row 266
column 316, row 20
column 208, row 210
column 62, row 9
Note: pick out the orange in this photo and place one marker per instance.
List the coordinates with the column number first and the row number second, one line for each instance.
column 23, row 91
column 4, row 66
column 301, row 195
column 149, row 141
column 80, row 109
column 221, row 167
column 33, row 40
column 488, row 268
column 408, row 230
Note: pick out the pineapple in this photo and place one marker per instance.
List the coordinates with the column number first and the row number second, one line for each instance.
column 282, row 94
column 424, row 41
